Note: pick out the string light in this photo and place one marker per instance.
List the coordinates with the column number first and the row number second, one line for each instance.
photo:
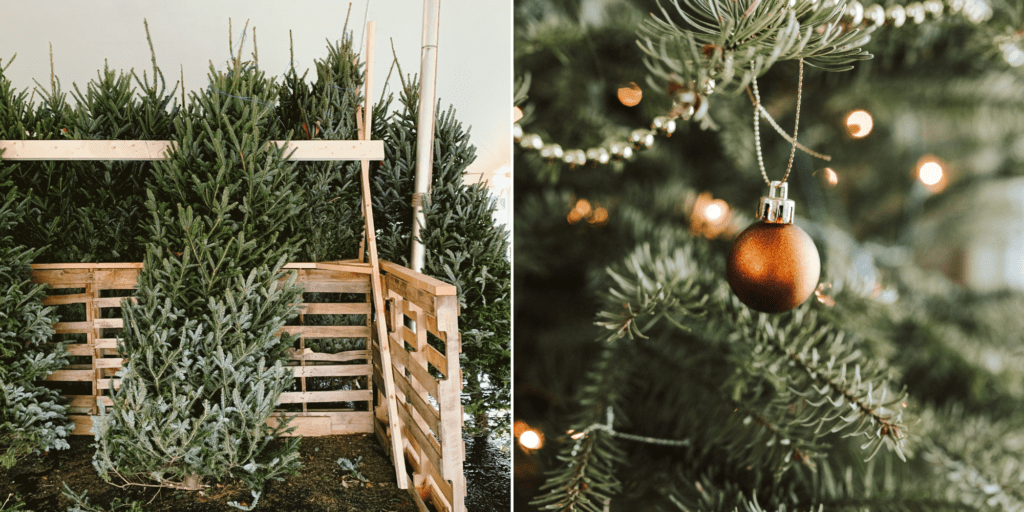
column 859, row 124
column 831, row 176
column 710, row 217
column 531, row 440
column 930, row 173
column 630, row 95
column 583, row 210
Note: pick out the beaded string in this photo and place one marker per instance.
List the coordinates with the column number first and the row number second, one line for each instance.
column 757, row 125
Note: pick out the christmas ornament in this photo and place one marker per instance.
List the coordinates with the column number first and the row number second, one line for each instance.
column 773, row 265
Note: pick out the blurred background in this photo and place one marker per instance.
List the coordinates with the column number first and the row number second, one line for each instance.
column 918, row 218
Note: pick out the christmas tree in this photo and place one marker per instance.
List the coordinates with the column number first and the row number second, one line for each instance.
column 32, row 417
column 648, row 382
column 204, row 361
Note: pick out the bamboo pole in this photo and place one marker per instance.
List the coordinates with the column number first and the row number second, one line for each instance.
column 425, row 127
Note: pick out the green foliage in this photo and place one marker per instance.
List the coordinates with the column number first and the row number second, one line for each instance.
column 204, row 368
column 90, row 211
column 32, row 417
column 736, row 41
column 80, row 503
column 330, row 222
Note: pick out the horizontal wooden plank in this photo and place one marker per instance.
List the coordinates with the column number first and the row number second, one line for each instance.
column 340, row 308
column 327, row 331
column 106, row 343
column 104, row 279
column 71, row 298
column 307, row 426
column 344, row 395
column 64, row 266
column 108, row 383
column 73, row 327
column 358, row 268
column 112, row 302
column 420, row 281
column 119, row 150
column 71, row 376
column 108, row 362
column 108, row 323
column 410, row 293
column 351, row 355
column 334, row 370
column 88, row 401
column 340, row 423
column 81, row 349
column 333, row 150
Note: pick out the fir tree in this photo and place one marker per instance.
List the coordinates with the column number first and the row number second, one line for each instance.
column 33, row 418
column 204, row 367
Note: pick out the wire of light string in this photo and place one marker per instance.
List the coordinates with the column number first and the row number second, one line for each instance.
column 757, row 125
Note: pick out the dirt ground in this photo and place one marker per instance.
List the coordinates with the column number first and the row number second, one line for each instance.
column 321, row 485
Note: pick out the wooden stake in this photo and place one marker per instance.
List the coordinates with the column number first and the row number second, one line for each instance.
column 397, row 451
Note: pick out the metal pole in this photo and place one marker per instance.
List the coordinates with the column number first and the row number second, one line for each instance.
column 425, row 126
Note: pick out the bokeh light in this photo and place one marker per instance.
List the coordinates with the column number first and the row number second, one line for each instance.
column 531, row 440
column 714, row 211
column 930, row 173
column 831, row 176
column 859, row 124
column 630, row 95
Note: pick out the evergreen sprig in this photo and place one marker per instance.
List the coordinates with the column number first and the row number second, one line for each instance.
column 733, row 42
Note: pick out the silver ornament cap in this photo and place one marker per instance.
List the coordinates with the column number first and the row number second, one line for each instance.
column 776, row 208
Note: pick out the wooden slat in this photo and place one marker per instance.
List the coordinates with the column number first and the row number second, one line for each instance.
column 327, row 331
column 72, row 327
column 108, row 383
column 420, row 281
column 71, row 376
column 351, row 355
column 341, row 308
column 426, row 443
column 108, row 362
column 435, row 358
column 73, row 298
column 426, row 411
column 112, row 302
column 108, row 323
column 411, row 294
column 359, row 268
column 80, row 349
column 345, row 395
column 106, row 343
column 334, row 370
column 119, row 150
column 422, row 376
column 79, row 266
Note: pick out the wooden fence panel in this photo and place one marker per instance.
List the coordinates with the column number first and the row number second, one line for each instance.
column 428, row 382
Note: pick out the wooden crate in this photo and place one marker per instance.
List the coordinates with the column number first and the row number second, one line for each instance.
column 428, row 382
column 96, row 362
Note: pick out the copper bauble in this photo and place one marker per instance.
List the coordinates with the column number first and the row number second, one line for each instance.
column 773, row 265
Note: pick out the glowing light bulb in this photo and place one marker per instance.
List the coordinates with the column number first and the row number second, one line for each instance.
column 859, row 124
column 930, row 173
column 831, row 176
column 630, row 95
column 713, row 211
column 531, row 440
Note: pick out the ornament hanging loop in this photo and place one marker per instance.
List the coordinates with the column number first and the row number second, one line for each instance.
column 777, row 208
column 757, row 124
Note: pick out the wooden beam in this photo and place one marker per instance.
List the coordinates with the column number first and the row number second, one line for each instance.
column 109, row 150
column 397, row 454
